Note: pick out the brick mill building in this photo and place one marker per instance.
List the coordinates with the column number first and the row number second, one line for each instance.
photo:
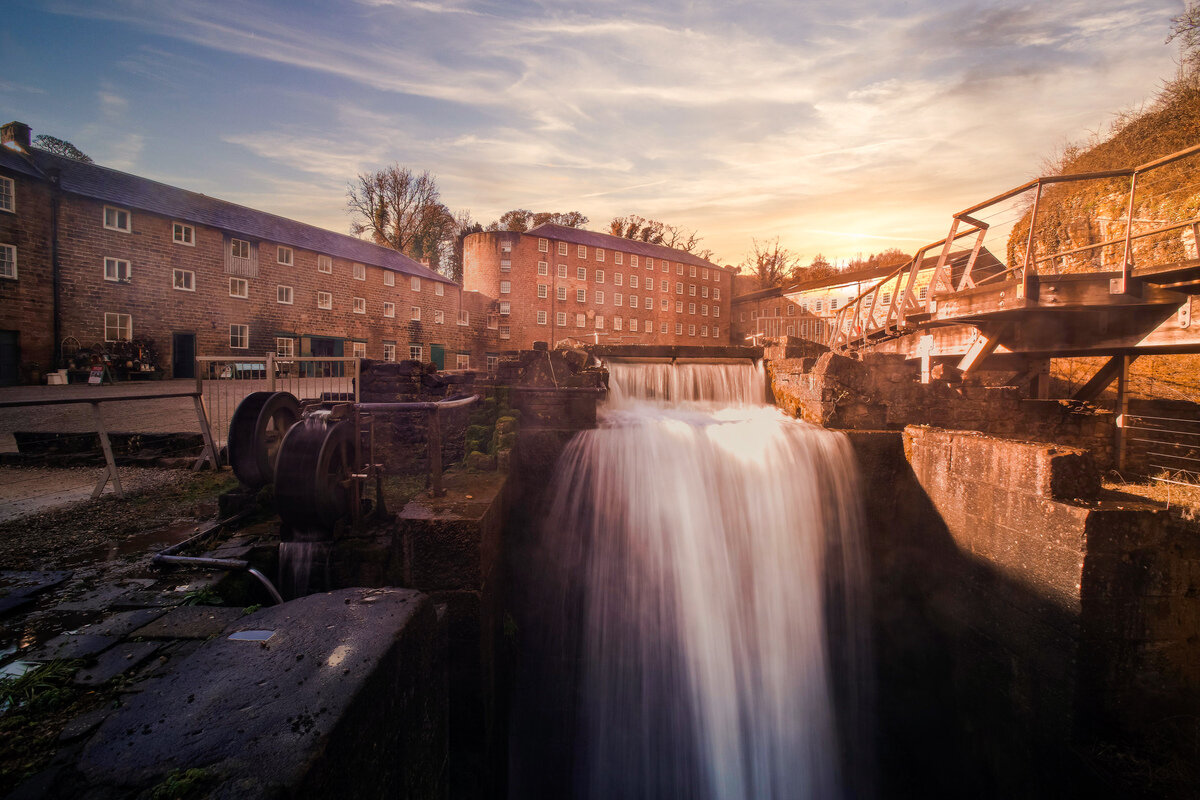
column 555, row 283
column 94, row 255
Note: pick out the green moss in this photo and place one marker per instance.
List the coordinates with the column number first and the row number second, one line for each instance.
column 180, row 784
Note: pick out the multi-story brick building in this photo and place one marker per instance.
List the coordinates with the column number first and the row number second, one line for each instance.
column 555, row 283
column 97, row 255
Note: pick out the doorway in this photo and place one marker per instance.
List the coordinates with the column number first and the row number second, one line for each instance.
column 10, row 357
column 437, row 354
column 183, row 355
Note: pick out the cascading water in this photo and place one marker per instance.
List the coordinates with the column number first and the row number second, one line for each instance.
column 701, row 626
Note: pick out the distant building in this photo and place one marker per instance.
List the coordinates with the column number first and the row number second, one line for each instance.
column 555, row 283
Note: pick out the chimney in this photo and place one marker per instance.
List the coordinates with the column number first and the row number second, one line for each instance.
column 16, row 133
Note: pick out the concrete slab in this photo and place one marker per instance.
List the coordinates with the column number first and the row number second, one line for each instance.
column 189, row 622
column 341, row 702
column 117, row 661
column 72, row 645
column 123, row 623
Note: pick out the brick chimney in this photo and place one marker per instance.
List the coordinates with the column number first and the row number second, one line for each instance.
column 16, row 133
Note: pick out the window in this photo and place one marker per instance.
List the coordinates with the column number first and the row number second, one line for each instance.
column 439, row 317
column 389, row 351
column 599, row 253
column 704, row 330
column 599, row 298
column 118, row 327
column 618, row 279
column 717, row 276
column 415, row 352
column 541, row 318
column 239, row 248
column 618, row 299
column 599, row 322
column 650, row 284
column 817, row 306
column 543, row 246
column 562, row 248
column 633, row 323
column 691, row 271
column 414, row 313
column 464, row 317
column 505, row 332
column 283, row 255
column 649, row 263
column 678, row 329
column 543, row 268
column 753, row 315
column 8, row 194
column 239, row 336
column 716, row 293
column 462, row 360
column 649, row 303
column 183, row 234
column 678, row 288
column 921, row 295
column 562, row 270
column 116, row 219
column 581, row 273
column 360, row 305
column 493, row 321
column 116, row 269
column 704, row 274
column 666, row 304
column 505, row 287
column 678, row 306
column 580, row 320
column 389, row 279
column 704, row 291
column 678, row 268
column 285, row 347
column 633, row 281
column 360, row 271
column 715, row 332
column 325, row 264
column 618, row 323
column 543, row 291
column 600, row 273
column 389, row 309
column 691, row 308
column 618, row 258
column 283, row 294
column 414, row 283
column 506, row 264
column 581, row 251
column 632, row 263
column 716, row 311
column 887, row 298
column 239, row 287
column 360, row 350
column 650, row 327
column 561, row 293
column 184, row 280
column 581, row 295
column 492, row 362
column 324, row 300
column 505, row 308
column 560, row 319
column 704, row 310
column 439, row 289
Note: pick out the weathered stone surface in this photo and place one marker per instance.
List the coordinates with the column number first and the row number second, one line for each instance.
column 340, row 702
column 124, row 622
column 189, row 622
column 117, row 661
column 72, row 645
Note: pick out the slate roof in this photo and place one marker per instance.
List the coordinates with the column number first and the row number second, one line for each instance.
column 133, row 191
column 548, row 230
column 16, row 161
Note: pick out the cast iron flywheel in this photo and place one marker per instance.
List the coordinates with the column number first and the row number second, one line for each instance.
column 256, row 431
column 312, row 476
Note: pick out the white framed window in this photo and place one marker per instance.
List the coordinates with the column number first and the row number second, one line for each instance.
column 389, row 351
column 618, row 299
column 833, row 304
column 324, row 300
column 691, row 330
column 505, row 308
column 633, row 323
column 816, row 307
column 678, row 306
column 239, row 287
column 678, row 288
column 117, row 219
column 704, row 310
column 505, row 287
column 715, row 331
column 505, row 264
column 667, row 268
column 704, row 273
column 283, row 255
column 692, row 289
column 359, row 271
column 716, row 293
column 650, row 284
column 182, row 233
column 462, row 360
column 599, row 276
column 414, row 313
column 360, row 305
column 239, row 336
column 691, row 308
column 618, row 279
column 543, row 268
column 923, row 293
column 562, row 270
column 649, row 263
column 581, row 251
column 285, row 347
column 116, row 269
column 493, row 321
column 717, row 275
column 618, row 324
column 633, row 262
column 118, row 327
column 239, row 248
column 184, row 280
column 599, row 322
column 649, row 303
column 439, row 289
column 359, row 350
column 562, row 248
column 618, row 257
column 439, row 317
column 415, row 352
column 505, row 332
column 8, row 194
column 599, row 253
column 325, row 264
column 543, row 291
column 704, row 291
column 581, row 273
column 389, row 310
column 464, row 317
column 665, row 304
column 633, row 281
column 887, row 298
column 703, row 331
column 389, row 279
column 678, row 329
column 414, row 283
column 581, row 295
column 543, row 246
column 492, row 362
column 561, row 293
column 599, row 298
column 692, row 271
column 541, row 318
column 561, row 319
column 580, row 320
column 716, row 311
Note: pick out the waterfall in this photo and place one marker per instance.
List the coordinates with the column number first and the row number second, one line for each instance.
column 703, row 596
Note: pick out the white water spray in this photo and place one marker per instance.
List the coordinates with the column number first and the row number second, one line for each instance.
column 706, row 552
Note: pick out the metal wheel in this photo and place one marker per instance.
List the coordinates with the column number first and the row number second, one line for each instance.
column 255, row 433
column 312, row 484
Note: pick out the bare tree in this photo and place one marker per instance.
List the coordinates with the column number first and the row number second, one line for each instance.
column 522, row 219
column 1186, row 28
column 61, row 147
column 464, row 226
column 771, row 264
column 652, row 231
column 401, row 210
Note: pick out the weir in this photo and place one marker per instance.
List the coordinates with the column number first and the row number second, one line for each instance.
column 699, row 617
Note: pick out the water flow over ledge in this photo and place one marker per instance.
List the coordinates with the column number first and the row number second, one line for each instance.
column 705, row 557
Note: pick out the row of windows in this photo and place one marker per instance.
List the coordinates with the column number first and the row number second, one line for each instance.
column 619, row 323
column 619, row 258
column 285, row 347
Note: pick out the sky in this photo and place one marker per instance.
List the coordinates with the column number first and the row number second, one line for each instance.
column 838, row 126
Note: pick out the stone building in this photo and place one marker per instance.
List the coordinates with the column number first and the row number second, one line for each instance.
column 555, row 283
column 91, row 254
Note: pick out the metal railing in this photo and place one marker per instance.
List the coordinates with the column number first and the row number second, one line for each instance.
column 224, row 381
column 865, row 318
column 1164, row 449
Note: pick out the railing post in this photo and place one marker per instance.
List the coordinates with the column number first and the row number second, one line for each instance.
column 434, row 438
column 1027, row 268
column 1120, row 441
column 111, row 470
column 210, row 446
column 270, row 369
column 1123, row 285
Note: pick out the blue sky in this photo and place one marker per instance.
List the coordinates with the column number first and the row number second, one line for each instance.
column 841, row 126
